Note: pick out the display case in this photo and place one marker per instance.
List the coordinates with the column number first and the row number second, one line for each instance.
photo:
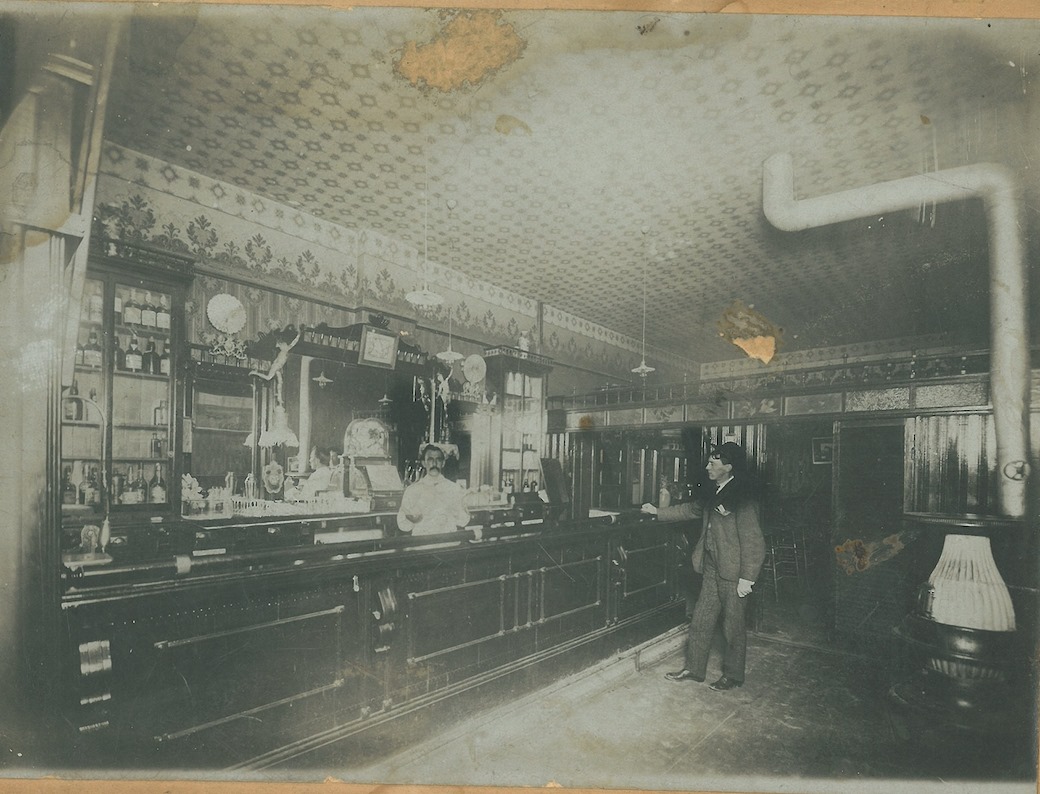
column 118, row 417
column 518, row 378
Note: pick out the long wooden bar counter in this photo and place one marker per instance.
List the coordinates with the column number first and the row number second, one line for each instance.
column 238, row 655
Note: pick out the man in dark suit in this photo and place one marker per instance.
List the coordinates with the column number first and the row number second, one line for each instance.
column 729, row 554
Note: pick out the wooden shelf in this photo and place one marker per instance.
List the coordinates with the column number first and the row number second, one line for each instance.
column 141, row 330
column 125, row 373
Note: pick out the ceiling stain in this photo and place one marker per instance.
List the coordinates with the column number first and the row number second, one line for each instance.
column 761, row 347
column 750, row 331
column 507, row 124
column 471, row 47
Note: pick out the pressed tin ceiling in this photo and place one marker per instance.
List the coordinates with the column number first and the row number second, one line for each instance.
column 565, row 150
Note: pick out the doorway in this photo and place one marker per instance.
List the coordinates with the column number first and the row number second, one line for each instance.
column 869, row 498
column 871, row 576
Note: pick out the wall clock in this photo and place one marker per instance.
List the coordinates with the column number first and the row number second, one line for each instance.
column 226, row 313
column 474, row 368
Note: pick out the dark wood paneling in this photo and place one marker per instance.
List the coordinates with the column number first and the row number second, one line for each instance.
column 249, row 659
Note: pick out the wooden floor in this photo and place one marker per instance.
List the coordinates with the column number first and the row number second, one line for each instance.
column 809, row 718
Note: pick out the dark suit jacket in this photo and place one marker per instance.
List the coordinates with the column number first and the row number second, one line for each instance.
column 730, row 530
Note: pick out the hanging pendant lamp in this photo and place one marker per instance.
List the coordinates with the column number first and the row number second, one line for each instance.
column 643, row 369
column 449, row 356
column 425, row 299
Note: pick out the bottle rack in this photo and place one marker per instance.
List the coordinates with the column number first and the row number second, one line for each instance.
column 118, row 420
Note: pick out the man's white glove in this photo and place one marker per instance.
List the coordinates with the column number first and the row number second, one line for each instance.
column 649, row 508
column 744, row 587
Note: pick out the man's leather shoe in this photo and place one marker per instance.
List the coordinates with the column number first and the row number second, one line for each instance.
column 683, row 675
column 725, row 683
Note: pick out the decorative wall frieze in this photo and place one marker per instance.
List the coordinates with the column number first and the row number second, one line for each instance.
column 227, row 245
column 822, row 356
column 614, row 408
column 222, row 197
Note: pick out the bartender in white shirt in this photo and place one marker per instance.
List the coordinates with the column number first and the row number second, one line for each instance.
column 433, row 505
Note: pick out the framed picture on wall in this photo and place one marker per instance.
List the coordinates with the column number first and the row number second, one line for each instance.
column 378, row 347
column 823, row 450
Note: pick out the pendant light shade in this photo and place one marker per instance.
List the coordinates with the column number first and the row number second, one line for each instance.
column 449, row 356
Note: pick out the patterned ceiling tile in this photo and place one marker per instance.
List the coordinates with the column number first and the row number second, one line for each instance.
column 543, row 175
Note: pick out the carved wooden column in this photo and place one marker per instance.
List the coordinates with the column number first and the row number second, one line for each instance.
column 46, row 192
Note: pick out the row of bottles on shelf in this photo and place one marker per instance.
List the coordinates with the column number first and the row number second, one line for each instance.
column 509, row 485
column 150, row 357
column 154, row 359
column 128, row 489
column 144, row 312
column 130, row 307
column 81, row 484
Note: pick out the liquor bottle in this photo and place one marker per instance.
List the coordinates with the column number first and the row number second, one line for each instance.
column 72, row 407
column 95, row 304
column 118, row 483
column 134, row 360
column 92, row 353
column 117, row 307
column 79, row 351
column 164, row 359
column 140, row 486
column 85, row 497
column 160, row 417
column 69, row 494
column 162, row 314
column 148, row 311
column 118, row 356
column 132, row 310
column 156, row 446
column 77, row 477
column 157, row 486
column 149, row 360
column 130, row 493
column 93, row 487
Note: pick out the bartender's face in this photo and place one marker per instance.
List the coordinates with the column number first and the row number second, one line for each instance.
column 434, row 463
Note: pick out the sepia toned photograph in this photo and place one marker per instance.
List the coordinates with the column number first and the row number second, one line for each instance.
column 472, row 397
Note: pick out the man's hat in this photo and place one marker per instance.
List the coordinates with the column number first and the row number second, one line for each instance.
column 730, row 453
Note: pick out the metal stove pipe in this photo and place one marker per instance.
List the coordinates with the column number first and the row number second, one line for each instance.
column 1009, row 326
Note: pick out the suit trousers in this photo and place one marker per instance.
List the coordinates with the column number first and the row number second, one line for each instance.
column 717, row 597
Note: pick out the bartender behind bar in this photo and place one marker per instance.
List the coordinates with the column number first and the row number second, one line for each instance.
column 433, row 505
